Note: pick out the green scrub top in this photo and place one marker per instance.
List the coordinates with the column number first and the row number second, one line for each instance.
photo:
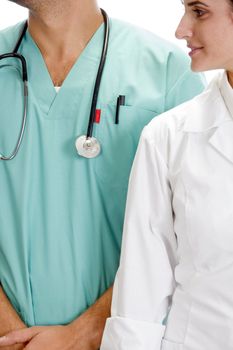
column 61, row 215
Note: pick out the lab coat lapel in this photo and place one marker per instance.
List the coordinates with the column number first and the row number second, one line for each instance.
column 222, row 140
column 211, row 113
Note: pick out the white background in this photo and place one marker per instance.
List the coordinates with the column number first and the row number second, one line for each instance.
column 158, row 16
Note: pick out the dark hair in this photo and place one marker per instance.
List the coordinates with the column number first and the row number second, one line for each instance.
column 230, row 2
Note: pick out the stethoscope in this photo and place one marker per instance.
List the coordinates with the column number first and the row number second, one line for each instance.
column 86, row 145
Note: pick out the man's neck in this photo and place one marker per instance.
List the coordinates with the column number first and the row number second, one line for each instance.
column 61, row 33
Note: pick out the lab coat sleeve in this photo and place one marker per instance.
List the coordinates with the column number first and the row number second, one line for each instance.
column 144, row 282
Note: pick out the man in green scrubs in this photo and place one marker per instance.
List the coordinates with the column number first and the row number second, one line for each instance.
column 61, row 215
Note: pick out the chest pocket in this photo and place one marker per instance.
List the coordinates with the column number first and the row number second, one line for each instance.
column 119, row 142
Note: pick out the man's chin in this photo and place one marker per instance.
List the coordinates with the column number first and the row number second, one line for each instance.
column 19, row 2
column 24, row 3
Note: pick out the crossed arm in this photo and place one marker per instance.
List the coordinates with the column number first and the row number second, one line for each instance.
column 84, row 333
column 9, row 319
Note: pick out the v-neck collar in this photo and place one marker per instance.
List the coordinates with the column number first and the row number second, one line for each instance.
column 40, row 82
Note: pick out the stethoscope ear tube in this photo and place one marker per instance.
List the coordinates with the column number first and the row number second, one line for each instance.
column 14, row 54
column 22, row 129
column 22, row 60
column 99, row 75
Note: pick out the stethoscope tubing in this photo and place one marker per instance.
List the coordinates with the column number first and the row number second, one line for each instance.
column 99, row 75
column 25, row 107
column 15, row 54
column 17, row 45
column 22, row 60
column 23, row 125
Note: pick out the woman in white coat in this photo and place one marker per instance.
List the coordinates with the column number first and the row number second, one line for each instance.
column 174, row 287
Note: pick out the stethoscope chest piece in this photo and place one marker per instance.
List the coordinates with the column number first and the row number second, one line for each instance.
column 88, row 147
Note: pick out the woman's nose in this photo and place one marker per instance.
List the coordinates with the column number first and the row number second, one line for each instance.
column 183, row 30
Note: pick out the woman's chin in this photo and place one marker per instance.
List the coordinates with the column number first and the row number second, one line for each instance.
column 200, row 66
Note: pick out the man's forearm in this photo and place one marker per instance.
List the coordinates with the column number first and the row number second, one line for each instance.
column 84, row 333
column 91, row 323
column 9, row 319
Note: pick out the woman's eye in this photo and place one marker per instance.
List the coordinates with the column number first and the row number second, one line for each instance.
column 199, row 12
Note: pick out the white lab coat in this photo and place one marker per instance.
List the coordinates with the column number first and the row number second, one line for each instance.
column 177, row 252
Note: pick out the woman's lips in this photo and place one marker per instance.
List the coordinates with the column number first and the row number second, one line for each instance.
column 194, row 50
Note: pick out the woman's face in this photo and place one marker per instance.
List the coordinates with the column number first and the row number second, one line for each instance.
column 207, row 26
